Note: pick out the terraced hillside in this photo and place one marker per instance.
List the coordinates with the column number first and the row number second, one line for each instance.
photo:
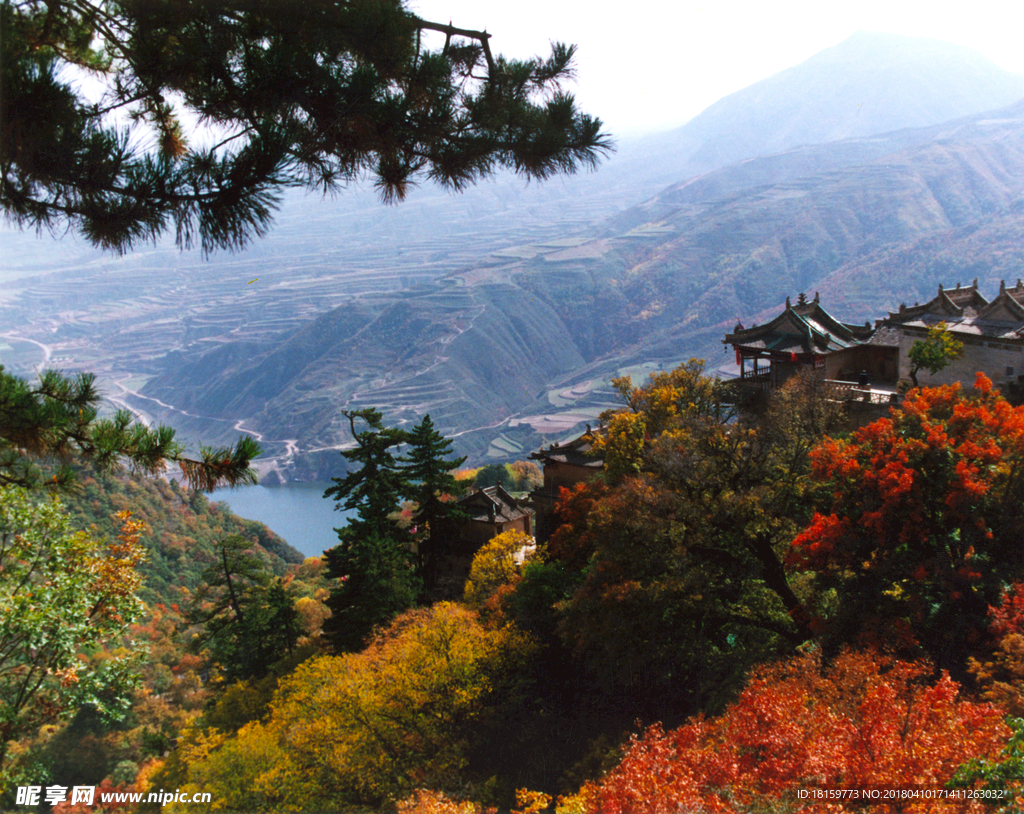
column 521, row 346
column 505, row 311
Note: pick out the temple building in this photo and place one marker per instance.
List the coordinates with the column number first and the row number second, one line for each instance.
column 489, row 512
column 492, row 511
column 806, row 336
column 992, row 333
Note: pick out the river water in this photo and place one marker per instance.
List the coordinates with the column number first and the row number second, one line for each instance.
column 296, row 512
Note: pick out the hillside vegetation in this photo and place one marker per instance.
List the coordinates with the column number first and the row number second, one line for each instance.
column 181, row 528
column 745, row 606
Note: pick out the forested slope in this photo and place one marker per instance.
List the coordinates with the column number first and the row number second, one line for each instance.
column 182, row 528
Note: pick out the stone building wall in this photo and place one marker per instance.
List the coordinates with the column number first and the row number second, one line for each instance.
column 1000, row 361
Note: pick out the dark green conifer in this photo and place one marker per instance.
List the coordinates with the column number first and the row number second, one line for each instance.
column 433, row 487
column 373, row 563
column 309, row 94
column 247, row 618
column 56, row 422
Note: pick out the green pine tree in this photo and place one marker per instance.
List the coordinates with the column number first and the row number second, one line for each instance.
column 373, row 563
column 433, row 487
column 247, row 618
column 308, row 94
column 46, row 426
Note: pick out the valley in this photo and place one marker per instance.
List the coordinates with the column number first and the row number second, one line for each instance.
column 505, row 311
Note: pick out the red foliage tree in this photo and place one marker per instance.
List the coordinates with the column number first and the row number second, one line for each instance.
column 864, row 722
column 921, row 526
column 573, row 541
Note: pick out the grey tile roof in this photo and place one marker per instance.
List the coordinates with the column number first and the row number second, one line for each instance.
column 578, row 452
column 493, row 504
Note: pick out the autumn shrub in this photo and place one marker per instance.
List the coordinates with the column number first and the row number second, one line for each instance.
column 861, row 722
column 498, row 563
column 426, row 801
column 1000, row 677
column 366, row 728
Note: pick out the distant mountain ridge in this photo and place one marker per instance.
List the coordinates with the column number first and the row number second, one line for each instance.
column 506, row 328
column 868, row 84
column 494, row 352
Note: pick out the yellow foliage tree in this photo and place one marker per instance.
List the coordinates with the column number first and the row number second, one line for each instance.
column 312, row 613
column 683, row 392
column 365, row 728
column 498, row 563
column 425, row 801
column 623, row 445
column 663, row 404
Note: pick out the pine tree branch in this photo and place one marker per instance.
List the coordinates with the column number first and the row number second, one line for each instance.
column 450, row 31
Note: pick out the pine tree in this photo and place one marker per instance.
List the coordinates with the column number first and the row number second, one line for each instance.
column 432, row 487
column 373, row 562
column 248, row 619
column 56, row 422
column 309, row 94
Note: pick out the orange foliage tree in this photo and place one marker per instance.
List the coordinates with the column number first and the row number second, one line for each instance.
column 921, row 524
column 863, row 722
column 1001, row 677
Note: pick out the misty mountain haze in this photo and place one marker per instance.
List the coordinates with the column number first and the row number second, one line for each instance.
column 865, row 172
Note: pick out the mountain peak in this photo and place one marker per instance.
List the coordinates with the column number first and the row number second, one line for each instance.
column 888, row 49
column 868, row 84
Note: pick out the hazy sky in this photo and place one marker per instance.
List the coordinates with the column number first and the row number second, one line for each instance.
column 651, row 65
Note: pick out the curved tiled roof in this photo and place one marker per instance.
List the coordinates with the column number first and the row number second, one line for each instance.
column 966, row 312
column 802, row 328
column 493, row 504
column 578, row 452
